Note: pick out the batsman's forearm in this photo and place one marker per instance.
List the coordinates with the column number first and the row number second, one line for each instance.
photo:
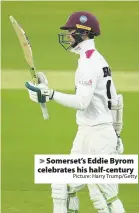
column 69, row 100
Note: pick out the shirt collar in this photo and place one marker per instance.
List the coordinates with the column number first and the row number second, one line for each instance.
column 84, row 46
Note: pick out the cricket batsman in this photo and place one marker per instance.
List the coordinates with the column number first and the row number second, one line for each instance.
column 99, row 112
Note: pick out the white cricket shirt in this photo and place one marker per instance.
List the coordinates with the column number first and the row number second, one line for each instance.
column 94, row 87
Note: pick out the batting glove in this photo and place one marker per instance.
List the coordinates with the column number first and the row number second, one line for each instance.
column 40, row 93
column 42, row 78
column 120, row 146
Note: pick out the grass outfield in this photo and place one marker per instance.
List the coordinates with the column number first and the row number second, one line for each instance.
column 25, row 133
column 42, row 20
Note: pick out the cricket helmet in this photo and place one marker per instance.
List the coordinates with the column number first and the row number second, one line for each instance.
column 83, row 23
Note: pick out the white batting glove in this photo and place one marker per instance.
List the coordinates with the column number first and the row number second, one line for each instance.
column 42, row 78
column 40, row 93
column 120, row 146
column 117, row 113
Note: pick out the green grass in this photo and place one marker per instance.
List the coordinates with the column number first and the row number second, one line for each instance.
column 41, row 20
column 25, row 133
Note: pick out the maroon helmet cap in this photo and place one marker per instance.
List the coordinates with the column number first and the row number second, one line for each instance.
column 82, row 20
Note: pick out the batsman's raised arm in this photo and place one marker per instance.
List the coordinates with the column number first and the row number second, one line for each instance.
column 84, row 89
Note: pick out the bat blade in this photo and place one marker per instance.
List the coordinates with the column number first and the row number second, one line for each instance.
column 24, row 41
column 25, row 44
column 26, row 47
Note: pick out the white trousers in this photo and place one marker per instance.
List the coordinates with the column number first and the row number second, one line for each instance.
column 99, row 139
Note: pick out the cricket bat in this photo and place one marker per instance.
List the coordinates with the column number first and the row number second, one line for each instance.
column 25, row 44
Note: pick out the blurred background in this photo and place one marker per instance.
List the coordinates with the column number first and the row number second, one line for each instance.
column 24, row 132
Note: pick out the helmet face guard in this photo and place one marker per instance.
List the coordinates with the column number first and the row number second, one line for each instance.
column 78, row 36
column 65, row 41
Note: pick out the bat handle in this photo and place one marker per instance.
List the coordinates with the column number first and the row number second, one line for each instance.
column 44, row 111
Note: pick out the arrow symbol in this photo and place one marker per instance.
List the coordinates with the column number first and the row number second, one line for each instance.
column 42, row 160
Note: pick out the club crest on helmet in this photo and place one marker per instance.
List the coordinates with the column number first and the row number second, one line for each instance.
column 83, row 19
